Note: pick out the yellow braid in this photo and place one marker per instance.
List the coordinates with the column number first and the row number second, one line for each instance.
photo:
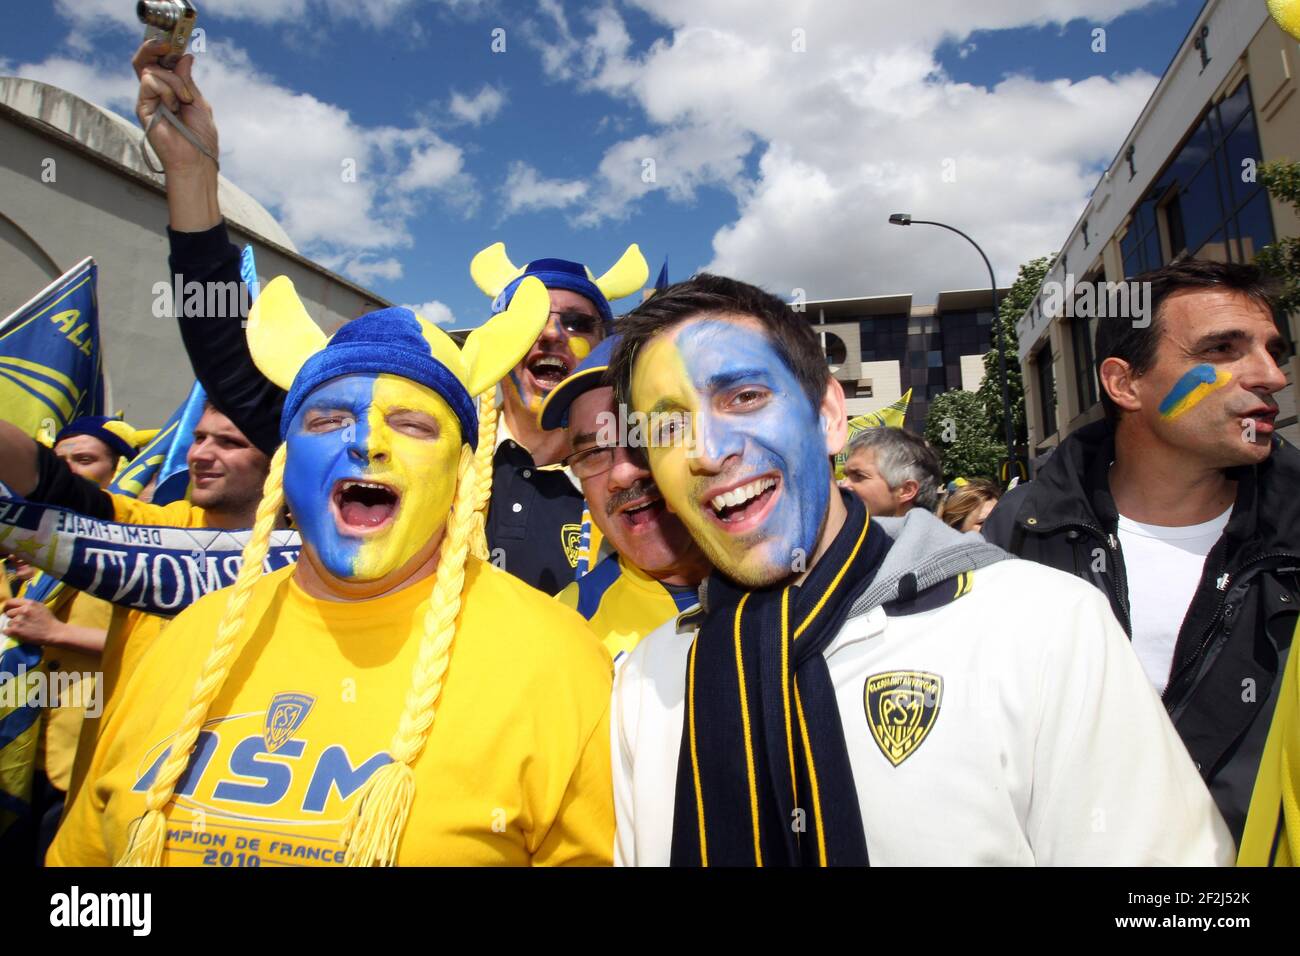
column 145, row 847
column 487, row 440
column 375, row 828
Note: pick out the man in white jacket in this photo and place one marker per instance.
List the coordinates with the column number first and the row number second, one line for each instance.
column 856, row 690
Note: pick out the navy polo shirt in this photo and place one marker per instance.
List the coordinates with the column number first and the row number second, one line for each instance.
column 534, row 520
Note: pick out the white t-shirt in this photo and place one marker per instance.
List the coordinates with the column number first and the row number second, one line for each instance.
column 1164, row 567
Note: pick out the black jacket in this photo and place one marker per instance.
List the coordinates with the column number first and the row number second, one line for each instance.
column 1233, row 642
column 217, row 346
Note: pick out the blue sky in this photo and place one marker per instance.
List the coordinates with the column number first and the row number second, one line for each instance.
column 782, row 134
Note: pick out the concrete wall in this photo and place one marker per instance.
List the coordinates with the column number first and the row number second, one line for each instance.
column 98, row 207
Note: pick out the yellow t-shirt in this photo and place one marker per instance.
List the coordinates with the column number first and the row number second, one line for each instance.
column 515, row 769
column 78, row 669
column 623, row 604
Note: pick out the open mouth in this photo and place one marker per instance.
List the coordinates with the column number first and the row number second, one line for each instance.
column 745, row 505
column 643, row 514
column 548, row 371
column 363, row 507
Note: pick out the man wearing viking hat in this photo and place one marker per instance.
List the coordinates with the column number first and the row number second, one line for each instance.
column 535, row 519
column 377, row 702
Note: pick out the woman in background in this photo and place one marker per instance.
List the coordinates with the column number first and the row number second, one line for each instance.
column 968, row 503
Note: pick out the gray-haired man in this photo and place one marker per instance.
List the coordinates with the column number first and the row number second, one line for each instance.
column 893, row 471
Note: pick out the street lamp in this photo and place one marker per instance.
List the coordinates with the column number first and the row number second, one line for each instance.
column 905, row 219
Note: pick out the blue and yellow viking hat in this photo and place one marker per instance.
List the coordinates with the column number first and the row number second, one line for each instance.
column 498, row 277
column 290, row 349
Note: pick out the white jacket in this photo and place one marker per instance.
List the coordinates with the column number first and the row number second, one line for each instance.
column 1048, row 745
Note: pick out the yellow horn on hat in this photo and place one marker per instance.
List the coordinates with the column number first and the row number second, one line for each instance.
column 626, row 276
column 497, row 346
column 135, row 437
column 281, row 335
column 492, row 269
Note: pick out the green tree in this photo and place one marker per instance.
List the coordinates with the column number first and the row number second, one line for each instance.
column 1010, row 309
column 1282, row 258
column 958, row 428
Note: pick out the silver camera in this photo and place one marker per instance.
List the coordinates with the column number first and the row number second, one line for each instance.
column 169, row 20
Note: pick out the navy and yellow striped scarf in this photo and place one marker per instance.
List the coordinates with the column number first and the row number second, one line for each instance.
column 764, row 777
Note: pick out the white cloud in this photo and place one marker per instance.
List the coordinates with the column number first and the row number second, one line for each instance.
column 480, row 108
column 436, row 312
column 366, row 269
column 858, row 125
column 336, row 186
column 526, row 191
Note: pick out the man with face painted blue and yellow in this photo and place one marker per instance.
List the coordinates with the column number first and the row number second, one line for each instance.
column 535, row 516
column 1181, row 507
column 855, row 689
column 379, row 702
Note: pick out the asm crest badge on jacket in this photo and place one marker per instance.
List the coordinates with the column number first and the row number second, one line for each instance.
column 901, row 708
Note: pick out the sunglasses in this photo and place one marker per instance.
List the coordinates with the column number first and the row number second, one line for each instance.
column 580, row 323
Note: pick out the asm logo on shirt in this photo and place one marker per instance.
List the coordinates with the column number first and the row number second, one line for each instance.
column 262, row 761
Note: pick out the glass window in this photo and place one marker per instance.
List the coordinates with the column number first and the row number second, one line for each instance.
column 837, row 352
column 1046, row 392
column 935, row 359
column 1083, row 332
column 1255, row 225
column 1242, row 154
column 1199, row 204
column 1215, row 213
column 1140, row 246
column 1235, row 107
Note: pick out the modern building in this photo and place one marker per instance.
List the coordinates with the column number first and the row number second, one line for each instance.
column 1182, row 184
column 73, row 184
column 879, row 347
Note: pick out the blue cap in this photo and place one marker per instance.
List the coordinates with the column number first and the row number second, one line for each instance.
column 558, row 274
column 93, row 425
column 589, row 374
column 389, row 341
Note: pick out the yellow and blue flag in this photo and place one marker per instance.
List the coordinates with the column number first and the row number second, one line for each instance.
column 51, row 367
column 891, row 416
column 164, row 456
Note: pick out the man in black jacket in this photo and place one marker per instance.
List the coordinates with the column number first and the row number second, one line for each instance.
column 1182, row 507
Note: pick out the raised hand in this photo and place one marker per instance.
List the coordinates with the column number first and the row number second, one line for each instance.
column 174, row 89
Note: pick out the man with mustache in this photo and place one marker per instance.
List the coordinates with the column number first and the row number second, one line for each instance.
column 857, row 689
column 656, row 567
column 1181, row 508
